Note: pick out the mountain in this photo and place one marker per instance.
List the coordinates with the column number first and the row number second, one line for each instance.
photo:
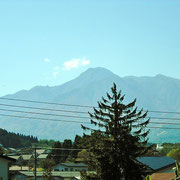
column 159, row 93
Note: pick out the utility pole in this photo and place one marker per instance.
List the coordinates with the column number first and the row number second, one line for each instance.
column 35, row 163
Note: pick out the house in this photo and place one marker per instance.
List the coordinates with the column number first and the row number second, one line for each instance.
column 28, row 159
column 4, row 166
column 162, row 176
column 41, row 151
column 18, row 159
column 18, row 168
column 41, row 157
column 158, row 164
column 70, row 167
column 56, row 175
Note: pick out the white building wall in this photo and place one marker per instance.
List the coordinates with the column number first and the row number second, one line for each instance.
column 3, row 169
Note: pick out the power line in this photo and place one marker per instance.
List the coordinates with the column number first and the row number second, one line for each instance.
column 164, row 123
column 76, row 105
column 44, row 119
column 71, row 121
column 36, row 108
column 150, row 127
column 44, row 102
column 28, row 112
column 46, row 109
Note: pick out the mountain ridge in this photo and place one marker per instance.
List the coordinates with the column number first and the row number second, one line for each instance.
column 152, row 93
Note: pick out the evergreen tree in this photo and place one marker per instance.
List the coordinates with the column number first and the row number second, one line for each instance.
column 56, row 152
column 120, row 137
column 67, row 144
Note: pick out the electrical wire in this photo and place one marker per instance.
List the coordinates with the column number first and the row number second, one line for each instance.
column 71, row 121
column 46, row 109
column 43, row 119
column 76, row 105
column 35, row 108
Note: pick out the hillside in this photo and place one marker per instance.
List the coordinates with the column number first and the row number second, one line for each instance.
column 12, row 140
column 152, row 93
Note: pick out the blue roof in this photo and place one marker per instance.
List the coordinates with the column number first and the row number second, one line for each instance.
column 156, row 163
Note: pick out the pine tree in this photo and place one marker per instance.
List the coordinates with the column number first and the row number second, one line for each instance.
column 120, row 138
column 56, row 152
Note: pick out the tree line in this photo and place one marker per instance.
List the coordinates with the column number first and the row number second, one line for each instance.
column 13, row 140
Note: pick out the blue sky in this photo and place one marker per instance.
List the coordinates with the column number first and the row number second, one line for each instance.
column 44, row 42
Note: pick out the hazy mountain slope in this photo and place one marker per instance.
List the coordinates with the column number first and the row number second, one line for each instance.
column 152, row 93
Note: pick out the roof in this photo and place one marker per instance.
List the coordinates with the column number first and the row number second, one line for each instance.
column 42, row 156
column 18, row 168
column 27, row 157
column 14, row 157
column 54, row 173
column 162, row 176
column 7, row 158
column 156, row 163
column 74, row 164
column 40, row 151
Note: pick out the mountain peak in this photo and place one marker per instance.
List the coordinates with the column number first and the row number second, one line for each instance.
column 99, row 70
column 97, row 73
column 160, row 76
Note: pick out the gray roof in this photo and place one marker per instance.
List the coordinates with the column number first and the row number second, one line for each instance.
column 74, row 164
column 40, row 151
column 19, row 168
column 54, row 173
column 42, row 156
column 156, row 163
column 64, row 174
column 15, row 157
column 27, row 157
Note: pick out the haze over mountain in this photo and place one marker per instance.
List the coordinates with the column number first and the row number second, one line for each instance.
column 159, row 93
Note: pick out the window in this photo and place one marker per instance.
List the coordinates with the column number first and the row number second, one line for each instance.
column 56, row 169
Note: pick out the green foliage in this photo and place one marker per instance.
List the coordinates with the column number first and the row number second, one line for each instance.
column 60, row 154
column 56, row 153
column 119, row 137
column 88, row 176
column 13, row 140
column 174, row 153
column 46, row 143
column 147, row 178
column 82, row 156
column 176, row 171
column 47, row 166
column 47, row 163
column 167, row 147
column 67, row 144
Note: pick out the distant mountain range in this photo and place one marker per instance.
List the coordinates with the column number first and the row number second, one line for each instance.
column 159, row 93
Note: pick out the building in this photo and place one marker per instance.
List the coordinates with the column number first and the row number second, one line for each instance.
column 28, row 159
column 4, row 166
column 70, row 167
column 162, row 176
column 15, row 168
column 40, row 151
column 18, row 159
column 157, row 164
column 56, row 175
column 41, row 157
